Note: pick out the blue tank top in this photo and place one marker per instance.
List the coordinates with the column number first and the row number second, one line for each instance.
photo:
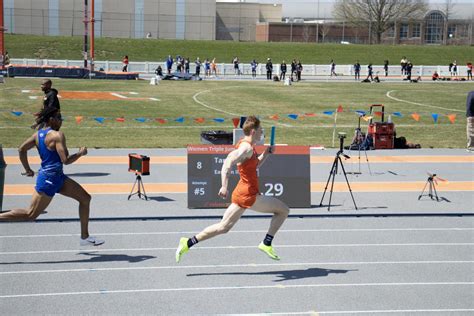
column 50, row 160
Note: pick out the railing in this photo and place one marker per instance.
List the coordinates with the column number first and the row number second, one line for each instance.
column 227, row 70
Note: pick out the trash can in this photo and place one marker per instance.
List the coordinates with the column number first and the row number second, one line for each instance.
column 217, row 137
column 3, row 165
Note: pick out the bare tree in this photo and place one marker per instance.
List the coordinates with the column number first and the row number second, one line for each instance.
column 448, row 11
column 306, row 33
column 324, row 29
column 378, row 13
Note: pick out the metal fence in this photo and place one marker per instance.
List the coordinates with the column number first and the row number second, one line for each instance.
column 111, row 24
column 227, row 70
column 319, row 25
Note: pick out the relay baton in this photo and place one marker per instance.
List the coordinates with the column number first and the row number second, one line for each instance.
column 272, row 138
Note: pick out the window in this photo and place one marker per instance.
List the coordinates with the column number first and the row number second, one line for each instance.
column 404, row 30
column 451, row 31
column 434, row 28
column 416, row 30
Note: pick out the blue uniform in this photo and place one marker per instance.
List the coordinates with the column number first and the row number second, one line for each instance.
column 50, row 176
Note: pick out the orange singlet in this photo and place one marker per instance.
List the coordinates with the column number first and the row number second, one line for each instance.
column 245, row 193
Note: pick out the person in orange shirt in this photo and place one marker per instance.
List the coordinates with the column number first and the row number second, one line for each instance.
column 214, row 67
column 245, row 195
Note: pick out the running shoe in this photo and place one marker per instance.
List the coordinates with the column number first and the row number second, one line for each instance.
column 182, row 248
column 269, row 251
column 91, row 241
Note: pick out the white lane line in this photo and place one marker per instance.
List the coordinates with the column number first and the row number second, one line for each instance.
column 33, row 97
column 25, row 91
column 231, row 288
column 154, row 99
column 420, row 104
column 255, row 231
column 380, row 311
column 230, row 113
column 250, row 265
column 119, row 95
column 134, row 93
column 234, row 247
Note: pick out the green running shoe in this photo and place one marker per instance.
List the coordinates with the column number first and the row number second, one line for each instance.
column 269, row 251
column 182, row 248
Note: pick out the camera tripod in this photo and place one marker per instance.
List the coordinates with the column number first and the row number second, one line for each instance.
column 432, row 187
column 332, row 173
column 140, row 186
column 358, row 133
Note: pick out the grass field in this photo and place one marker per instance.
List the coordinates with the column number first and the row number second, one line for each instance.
column 60, row 47
column 227, row 99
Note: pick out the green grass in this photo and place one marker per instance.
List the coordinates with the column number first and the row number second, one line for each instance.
column 242, row 98
column 55, row 47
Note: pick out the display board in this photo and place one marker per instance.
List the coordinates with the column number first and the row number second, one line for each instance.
column 284, row 175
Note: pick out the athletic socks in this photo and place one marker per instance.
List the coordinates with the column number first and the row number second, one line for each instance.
column 268, row 240
column 192, row 241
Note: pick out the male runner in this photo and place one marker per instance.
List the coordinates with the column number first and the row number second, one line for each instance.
column 245, row 195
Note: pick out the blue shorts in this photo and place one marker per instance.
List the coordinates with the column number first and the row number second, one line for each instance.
column 50, row 183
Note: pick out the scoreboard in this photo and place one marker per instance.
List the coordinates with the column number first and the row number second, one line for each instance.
column 285, row 175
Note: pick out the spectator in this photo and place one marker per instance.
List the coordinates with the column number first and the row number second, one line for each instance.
column 214, row 67
column 169, row 64
column 2, row 59
column 269, row 68
column 159, row 71
column 148, row 35
column 455, row 68
column 370, row 72
column 293, row 68
column 50, row 95
column 125, row 64
column 470, row 121
column 451, row 69
column 435, row 76
column 333, row 68
column 299, row 70
column 179, row 64
column 409, row 68
column 469, row 70
column 282, row 70
column 186, row 65
column 253, row 66
column 357, row 71
column 6, row 59
column 235, row 61
column 385, row 67
column 198, row 66
column 207, row 67
column 403, row 64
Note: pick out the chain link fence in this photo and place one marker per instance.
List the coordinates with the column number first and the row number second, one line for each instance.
column 317, row 25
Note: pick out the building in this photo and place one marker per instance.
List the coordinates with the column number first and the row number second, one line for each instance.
column 237, row 21
column 234, row 20
column 434, row 27
column 167, row 19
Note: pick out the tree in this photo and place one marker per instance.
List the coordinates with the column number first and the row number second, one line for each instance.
column 378, row 13
column 448, row 12
column 324, row 29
